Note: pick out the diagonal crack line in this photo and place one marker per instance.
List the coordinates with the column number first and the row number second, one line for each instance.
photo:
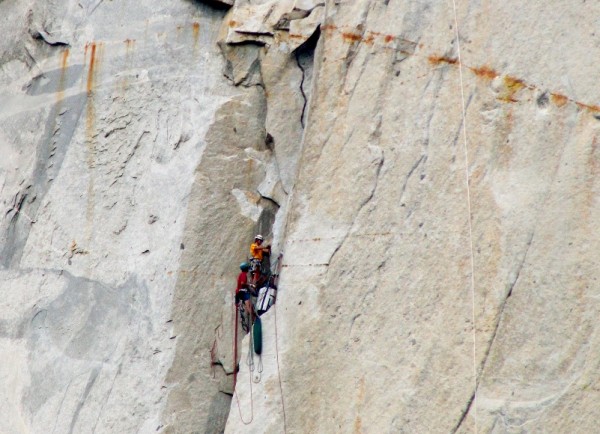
column 460, row 126
column 297, row 56
column 514, row 282
column 377, row 173
column 410, row 173
column 112, row 385
column 464, row 414
column 82, row 400
column 362, row 205
column 502, row 307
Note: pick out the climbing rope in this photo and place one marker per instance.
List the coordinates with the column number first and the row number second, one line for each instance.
column 250, row 356
column 237, row 398
column 250, row 363
column 279, row 370
column 467, row 180
column 258, row 377
column 235, row 339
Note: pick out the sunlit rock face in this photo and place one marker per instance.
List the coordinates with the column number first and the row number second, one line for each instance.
column 427, row 169
column 103, row 123
column 440, row 272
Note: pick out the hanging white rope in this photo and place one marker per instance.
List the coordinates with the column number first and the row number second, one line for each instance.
column 467, row 181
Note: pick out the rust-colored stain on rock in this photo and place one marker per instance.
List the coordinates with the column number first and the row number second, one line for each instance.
column 357, row 425
column 64, row 62
column 558, row 99
column 90, row 132
column 485, row 72
column 352, row 37
column 512, row 85
column 196, row 33
column 436, row 60
column 589, row 107
column 92, row 67
column 369, row 37
column 64, row 57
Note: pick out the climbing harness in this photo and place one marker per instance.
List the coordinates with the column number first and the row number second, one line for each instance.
column 245, row 317
column 467, row 179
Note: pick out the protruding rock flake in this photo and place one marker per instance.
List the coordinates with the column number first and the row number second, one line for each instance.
column 425, row 174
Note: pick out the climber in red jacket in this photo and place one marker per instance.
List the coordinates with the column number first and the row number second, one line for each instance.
column 242, row 291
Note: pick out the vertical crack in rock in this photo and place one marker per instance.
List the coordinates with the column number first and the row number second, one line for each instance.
column 306, row 50
column 412, row 170
column 112, row 385
column 88, row 388
column 460, row 125
column 62, row 401
column 503, row 306
column 297, row 56
column 362, row 205
column 518, row 273
column 464, row 414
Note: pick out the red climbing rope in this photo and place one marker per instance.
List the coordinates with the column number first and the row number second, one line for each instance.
column 235, row 341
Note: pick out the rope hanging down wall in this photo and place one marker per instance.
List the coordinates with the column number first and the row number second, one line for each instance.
column 468, row 189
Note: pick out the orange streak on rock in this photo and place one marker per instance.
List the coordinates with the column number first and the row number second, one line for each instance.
column 558, row 99
column 64, row 58
column 352, row 37
column 64, row 62
column 90, row 76
column 436, row 60
column 589, row 107
column 512, row 85
column 485, row 72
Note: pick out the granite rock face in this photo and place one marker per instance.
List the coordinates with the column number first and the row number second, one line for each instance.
column 103, row 124
column 430, row 286
column 429, row 171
